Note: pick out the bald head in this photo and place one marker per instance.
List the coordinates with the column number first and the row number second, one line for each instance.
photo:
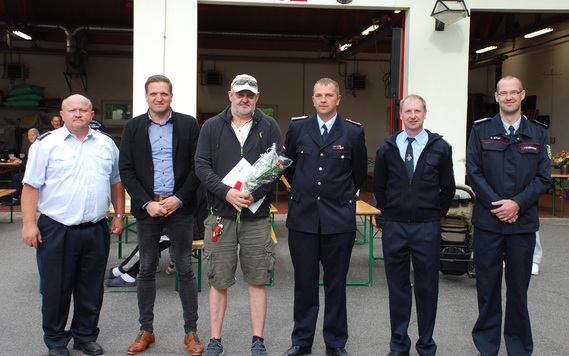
column 77, row 112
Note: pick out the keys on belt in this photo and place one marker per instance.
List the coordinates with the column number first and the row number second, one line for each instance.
column 161, row 197
column 216, row 229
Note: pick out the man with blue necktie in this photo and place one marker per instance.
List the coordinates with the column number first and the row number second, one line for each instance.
column 414, row 186
column 329, row 166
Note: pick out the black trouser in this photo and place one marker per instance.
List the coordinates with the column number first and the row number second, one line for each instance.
column 307, row 251
column 419, row 243
column 71, row 260
column 491, row 250
column 180, row 229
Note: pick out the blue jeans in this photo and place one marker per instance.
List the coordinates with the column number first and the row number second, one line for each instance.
column 179, row 229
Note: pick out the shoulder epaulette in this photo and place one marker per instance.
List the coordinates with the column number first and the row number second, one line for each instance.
column 482, row 120
column 102, row 132
column 44, row 135
column 298, row 118
column 539, row 123
column 354, row 122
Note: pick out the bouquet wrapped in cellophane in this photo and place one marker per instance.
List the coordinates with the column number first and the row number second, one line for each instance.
column 265, row 170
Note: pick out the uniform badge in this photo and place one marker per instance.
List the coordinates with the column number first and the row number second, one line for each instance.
column 337, row 147
column 549, row 152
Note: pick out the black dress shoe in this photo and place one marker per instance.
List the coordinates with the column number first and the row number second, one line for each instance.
column 59, row 351
column 89, row 348
column 298, row 351
column 396, row 353
column 337, row 351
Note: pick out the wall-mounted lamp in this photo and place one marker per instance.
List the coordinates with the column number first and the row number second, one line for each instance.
column 448, row 12
column 538, row 33
column 22, row 35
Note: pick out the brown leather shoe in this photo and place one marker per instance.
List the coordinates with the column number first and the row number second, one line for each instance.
column 144, row 340
column 193, row 344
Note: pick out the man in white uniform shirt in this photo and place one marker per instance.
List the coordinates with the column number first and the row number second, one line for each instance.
column 71, row 177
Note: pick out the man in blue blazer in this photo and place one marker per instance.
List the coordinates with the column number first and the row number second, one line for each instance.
column 157, row 168
column 329, row 166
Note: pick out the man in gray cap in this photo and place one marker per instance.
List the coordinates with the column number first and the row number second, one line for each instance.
column 240, row 131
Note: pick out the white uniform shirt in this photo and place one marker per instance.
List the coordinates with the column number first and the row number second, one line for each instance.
column 74, row 177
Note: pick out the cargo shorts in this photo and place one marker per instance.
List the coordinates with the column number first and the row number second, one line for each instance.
column 251, row 239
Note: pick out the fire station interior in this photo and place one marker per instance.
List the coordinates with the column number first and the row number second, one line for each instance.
column 86, row 47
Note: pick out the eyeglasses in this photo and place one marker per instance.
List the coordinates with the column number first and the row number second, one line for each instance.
column 510, row 93
column 252, row 83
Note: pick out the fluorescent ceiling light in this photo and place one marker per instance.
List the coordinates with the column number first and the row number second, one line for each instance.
column 397, row 11
column 539, row 33
column 22, row 35
column 369, row 29
column 486, row 49
column 345, row 47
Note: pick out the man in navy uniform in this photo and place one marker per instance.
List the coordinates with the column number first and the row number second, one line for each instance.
column 329, row 166
column 508, row 167
column 413, row 183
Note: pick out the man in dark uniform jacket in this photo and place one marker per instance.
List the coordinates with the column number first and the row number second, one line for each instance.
column 413, row 183
column 329, row 166
column 508, row 167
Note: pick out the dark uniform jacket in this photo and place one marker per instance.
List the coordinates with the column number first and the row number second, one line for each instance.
column 219, row 151
column 137, row 168
column 427, row 197
column 502, row 168
column 324, row 176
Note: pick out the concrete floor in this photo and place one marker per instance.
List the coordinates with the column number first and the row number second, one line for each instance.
column 20, row 316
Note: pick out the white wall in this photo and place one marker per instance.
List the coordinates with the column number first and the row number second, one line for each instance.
column 165, row 42
column 289, row 86
column 107, row 78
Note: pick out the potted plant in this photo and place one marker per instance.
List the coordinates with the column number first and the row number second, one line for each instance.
column 562, row 160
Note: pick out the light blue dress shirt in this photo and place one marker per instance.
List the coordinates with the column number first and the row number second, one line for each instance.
column 74, row 177
column 328, row 124
column 418, row 145
column 161, row 136
column 516, row 126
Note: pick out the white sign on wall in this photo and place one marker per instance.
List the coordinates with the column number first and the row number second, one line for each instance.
column 311, row 3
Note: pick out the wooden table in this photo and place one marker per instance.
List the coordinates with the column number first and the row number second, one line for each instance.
column 7, row 167
column 10, row 194
column 557, row 178
column 367, row 212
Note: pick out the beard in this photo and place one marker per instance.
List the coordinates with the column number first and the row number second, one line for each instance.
column 245, row 110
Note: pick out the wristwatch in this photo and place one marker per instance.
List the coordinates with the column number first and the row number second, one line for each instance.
column 120, row 216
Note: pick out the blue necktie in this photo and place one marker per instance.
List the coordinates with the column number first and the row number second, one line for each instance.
column 325, row 133
column 409, row 158
column 512, row 130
